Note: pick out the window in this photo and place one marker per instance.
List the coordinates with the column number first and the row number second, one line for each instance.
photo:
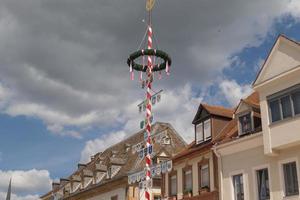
column 290, row 179
column 245, row 123
column 203, row 131
column 275, row 110
column 263, row 184
column 204, row 176
column 207, row 130
column 285, row 105
column 238, row 186
column 199, row 133
column 296, row 102
column 114, row 197
column 157, row 197
column 173, row 185
column 108, row 172
column 187, row 180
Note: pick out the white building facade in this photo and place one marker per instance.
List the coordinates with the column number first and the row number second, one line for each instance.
column 263, row 162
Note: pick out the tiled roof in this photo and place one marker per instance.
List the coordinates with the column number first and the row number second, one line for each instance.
column 192, row 148
column 252, row 99
column 230, row 131
column 124, row 156
column 218, row 110
column 214, row 110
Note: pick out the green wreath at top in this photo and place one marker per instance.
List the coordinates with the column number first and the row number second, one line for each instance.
column 149, row 52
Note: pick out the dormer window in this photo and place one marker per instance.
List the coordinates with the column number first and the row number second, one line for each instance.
column 245, row 124
column 166, row 140
column 108, row 175
column 203, row 131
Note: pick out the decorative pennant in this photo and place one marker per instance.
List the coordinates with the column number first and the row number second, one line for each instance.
column 150, row 150
column 142, row 124
column 153, row 171
column 153, row 99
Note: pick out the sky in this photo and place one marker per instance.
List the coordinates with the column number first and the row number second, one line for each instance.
column 65, row 88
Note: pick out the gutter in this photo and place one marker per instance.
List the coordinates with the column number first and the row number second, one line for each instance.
column 220, row 171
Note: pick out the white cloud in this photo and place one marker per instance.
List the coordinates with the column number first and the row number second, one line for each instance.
column 26, row 185
column 17, row 197
column 177, row 107
column 94, row 146
column 69, row 78
column 74, row 79
column 233, row 92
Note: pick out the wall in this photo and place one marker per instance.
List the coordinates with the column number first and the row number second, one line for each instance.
column 247, row 162
column 121, row 192
column 194, row 163
column 274, row 139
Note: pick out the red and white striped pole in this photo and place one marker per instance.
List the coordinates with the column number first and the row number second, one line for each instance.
column 148, row 111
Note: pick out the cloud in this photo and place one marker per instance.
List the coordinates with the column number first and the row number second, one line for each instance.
column 64, row 61
column 182, row 101
column 25, row 184
column 94, row 146
column 233, row 92
column 16, row 197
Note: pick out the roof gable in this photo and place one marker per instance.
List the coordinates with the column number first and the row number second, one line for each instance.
column 252, row 101
column 283, row 57
column 205, row 110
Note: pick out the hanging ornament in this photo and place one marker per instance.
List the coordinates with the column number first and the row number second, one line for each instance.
column 131, row 72
column 143, row 84
column 167, row 68
column 140, row 108
column 153, row 99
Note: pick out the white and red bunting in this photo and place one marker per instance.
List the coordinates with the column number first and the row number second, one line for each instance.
column 156, row 170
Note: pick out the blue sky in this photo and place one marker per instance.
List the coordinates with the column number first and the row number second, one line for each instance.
column 64, row 97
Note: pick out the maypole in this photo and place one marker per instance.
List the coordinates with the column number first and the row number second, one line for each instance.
column 149, row 105
column 149, row 69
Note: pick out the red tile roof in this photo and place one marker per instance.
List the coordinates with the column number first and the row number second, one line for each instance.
column 230, row 131
column 214, row 110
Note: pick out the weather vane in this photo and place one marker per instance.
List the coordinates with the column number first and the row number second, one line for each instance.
column 157, row 61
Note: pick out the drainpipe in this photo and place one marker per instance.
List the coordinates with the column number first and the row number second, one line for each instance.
column 220, row 171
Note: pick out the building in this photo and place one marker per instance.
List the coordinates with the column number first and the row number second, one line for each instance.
column 106, row 175
column 194, row 175
column 259, row 150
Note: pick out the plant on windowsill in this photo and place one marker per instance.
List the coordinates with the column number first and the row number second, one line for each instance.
column 188, row 193
column 204, row 189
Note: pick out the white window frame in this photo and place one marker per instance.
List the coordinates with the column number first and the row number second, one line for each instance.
column 278, row 96
column 255, row 188
column 245, row 183
column 281, row 176
column 240, row 125
column 204, row 139
column 201, row 175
